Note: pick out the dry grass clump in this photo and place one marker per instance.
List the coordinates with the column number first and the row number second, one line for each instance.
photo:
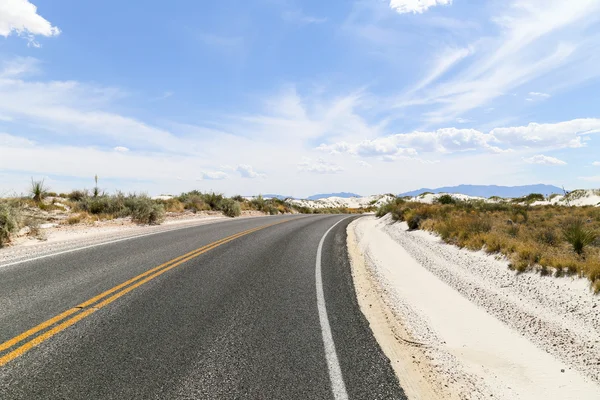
column 549, row 239
column 10, row 221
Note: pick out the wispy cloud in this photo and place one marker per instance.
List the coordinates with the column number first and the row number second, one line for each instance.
column 416, row 6
column 212, row 175
column 532, row 44
column 247, row 171
column 319, row 166
column 544, row 160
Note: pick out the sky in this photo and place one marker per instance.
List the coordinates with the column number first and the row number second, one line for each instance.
column 298, row 97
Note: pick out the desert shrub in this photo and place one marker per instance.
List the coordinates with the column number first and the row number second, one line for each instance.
column 513, row 230
column 258, row 203
column 389, row 207
column 172, row 205
column 548, row 236
column 38, row 190
column 413, row 219
column 213, row 200
column 231, row 208
column 530, row 198
column 271, row 210
column 146, row 211
column 446, row 199
column 195, row 203
column 78, row 195
column 10, row 221
column 75, row 219
column 520, row 214
column 578, row 235
column 238, row 198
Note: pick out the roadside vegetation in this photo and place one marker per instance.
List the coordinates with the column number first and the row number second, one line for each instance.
column 24, row 214
column 548, row 239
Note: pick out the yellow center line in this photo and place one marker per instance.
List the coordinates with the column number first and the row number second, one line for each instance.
column 94, row 299
column 148, row 276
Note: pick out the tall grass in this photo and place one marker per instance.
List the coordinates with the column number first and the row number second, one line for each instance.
column 563, row 240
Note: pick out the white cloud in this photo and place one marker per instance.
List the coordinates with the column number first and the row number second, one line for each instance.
column 212, row 175
column 7, row 140
column 246, row 171
column 18, row 67
column 364, row 164
column 320, row 166
column 544, row 160
column 463, row 120
column 21, row 17
column 537, row 40
column 539, row 95
column 416, row 6
column 596, row 163
column 121, row 149
column 561, row 134
column 442, row 64
column 566, row 134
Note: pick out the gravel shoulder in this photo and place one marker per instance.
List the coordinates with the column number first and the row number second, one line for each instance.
column 474, row 329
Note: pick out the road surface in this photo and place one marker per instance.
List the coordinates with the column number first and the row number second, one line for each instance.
column 238, row 309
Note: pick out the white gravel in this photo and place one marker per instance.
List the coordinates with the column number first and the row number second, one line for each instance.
column 487, row 331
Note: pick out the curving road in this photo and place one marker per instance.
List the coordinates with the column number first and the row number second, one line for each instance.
column 238, row 309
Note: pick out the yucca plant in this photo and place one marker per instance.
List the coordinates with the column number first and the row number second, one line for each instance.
column 578, row 236
column 38, row 190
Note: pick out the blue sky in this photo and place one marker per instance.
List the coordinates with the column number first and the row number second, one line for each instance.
column 298, row 97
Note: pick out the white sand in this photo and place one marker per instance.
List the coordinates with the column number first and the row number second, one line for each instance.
column 486, row 332
column 351, row 202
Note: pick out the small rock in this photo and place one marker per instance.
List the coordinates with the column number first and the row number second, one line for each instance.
column 562, row 370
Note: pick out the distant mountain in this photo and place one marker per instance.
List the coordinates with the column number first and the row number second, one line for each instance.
column 344, row 195
column 491, row 190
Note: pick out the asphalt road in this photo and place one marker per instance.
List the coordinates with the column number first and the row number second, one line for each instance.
column 241, row 318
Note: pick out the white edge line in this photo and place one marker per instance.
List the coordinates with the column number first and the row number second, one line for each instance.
column 114, row 241
column 335, row 372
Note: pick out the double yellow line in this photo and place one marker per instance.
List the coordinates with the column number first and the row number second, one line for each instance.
column 94, row 304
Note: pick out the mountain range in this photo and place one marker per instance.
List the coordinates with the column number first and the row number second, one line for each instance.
column 490, row 190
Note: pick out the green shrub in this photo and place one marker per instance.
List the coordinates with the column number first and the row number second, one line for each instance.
column 413, row 220
column 259, row 203
column 10, row 221
column 578, row 236
column 231, row 208
column 78, row 195
column 146, row 211
column 195, row 203
column 446, row 199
